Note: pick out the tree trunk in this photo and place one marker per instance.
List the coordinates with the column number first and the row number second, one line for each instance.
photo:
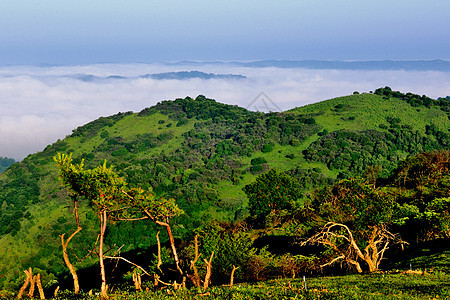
column 195, row 278
column 159, row 264
column 232, row 275
column 172, row 244
column 39, row 285
column 208, row 271
column 356, row 264
column 103, row 223
column 25, row 284
column 32, row 285
column 137, row 281
column 67, row 261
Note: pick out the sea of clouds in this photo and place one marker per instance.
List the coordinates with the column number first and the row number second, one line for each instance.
column 39, row 105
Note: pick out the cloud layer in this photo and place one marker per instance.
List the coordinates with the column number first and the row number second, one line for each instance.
column 39, row 105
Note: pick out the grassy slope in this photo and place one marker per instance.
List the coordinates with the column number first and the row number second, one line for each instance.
column 370, row 111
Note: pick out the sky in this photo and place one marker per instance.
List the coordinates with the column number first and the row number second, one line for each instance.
column 86, row 31
column 46, row 44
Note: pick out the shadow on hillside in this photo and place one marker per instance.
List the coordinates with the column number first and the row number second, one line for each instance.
column 427, row 255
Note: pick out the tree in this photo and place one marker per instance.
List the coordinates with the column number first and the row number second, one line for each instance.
column 102, row 187
column 60, row 160
column 113, row 199
column 272, row 191
column 141, row 205
column 353, row 218
column 423, row 187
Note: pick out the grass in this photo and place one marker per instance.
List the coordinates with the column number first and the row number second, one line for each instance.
column 369, row 111
column 370, row 286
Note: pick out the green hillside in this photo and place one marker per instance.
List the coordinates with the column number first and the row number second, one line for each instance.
column 202, row 153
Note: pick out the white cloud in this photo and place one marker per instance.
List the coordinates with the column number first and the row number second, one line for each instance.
column 39, row 105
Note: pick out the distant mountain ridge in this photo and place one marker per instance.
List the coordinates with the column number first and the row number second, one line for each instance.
column 180, row 75
column 407, row 65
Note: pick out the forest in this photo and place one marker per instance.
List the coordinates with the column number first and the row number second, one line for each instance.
column 194, row 195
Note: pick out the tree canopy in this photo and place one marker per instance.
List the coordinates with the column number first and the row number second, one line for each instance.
column 272, row 191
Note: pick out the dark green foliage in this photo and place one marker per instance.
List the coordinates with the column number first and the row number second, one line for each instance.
column 200, row 108
column 273, row 191
column 310, row 121
column 258, row 161
column 104, row 134
column 355, row 151
column 257, row 169
column 232, row 247
column 308, row 179
column 16, row 196
column 424, row 184
column 354, row 202
column 267, row 148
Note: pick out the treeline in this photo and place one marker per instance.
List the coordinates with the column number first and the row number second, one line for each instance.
column 354, row 151
column 415, row 100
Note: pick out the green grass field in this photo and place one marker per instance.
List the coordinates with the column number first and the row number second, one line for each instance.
column 365, row 287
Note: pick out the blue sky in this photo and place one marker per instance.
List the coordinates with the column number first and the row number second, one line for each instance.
column 83, row 32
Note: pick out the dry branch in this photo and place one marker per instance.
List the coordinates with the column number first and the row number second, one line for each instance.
column 67, row 261
column 196, row 278
column 208, row 271
column 24, row 286
column 132, row 263
column 32, row 285
column 137, row 281
column 39, row 285
column 158, row 265
column 333, row 234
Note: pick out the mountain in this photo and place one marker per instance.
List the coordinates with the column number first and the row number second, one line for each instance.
column 181, row 75
column 202, row 153
column 408, row 65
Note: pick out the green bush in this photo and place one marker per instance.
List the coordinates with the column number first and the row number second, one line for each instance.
column 267, row 148
column 258, row 161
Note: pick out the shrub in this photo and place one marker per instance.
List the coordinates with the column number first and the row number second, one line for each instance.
column 258, row 161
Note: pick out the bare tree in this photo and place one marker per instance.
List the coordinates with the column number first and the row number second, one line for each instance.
column 340, row 238
column 353, row 216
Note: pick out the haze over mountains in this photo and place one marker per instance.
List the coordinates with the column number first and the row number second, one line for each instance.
column 407, row 65
column 40, row 104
